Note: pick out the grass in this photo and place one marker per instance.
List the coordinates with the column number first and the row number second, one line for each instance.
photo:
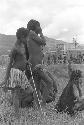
column 34, row 117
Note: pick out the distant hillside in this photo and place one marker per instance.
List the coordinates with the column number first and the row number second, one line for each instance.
column 51, row 43
column 7, row 42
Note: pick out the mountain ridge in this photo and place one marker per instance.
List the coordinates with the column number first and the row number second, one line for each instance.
column 7, row 42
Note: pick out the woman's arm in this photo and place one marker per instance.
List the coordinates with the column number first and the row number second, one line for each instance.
column 43, row 38
column 76, row 93
column 38, row 39
column 12, row 55
column 79, row 89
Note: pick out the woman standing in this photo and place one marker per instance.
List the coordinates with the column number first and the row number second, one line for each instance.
column 17, row 65
column 36, row 42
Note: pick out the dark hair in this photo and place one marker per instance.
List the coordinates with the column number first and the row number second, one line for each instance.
column 76, row 74
column 32, row 24
column 22, row 33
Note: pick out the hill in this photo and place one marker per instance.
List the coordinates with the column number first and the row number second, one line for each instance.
column 7, row 42
column 51, row 43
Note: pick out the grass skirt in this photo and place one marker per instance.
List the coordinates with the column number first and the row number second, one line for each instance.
column 18, row 78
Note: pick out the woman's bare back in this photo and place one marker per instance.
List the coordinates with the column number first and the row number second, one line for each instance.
column 19, row 57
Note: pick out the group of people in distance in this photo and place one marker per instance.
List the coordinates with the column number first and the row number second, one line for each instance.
column 26, row 56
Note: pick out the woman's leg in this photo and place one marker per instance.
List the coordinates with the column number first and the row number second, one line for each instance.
column 16, row 104
column 47, row 83
column 47, row 80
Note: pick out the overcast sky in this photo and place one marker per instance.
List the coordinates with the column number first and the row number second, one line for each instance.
column 60, row 19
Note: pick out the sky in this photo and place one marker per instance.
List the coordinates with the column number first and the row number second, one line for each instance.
column 59, row 19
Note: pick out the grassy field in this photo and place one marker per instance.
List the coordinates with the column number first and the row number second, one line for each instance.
column 34, row 117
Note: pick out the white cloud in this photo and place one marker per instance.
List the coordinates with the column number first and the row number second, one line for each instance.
column 71, row 20
column 59, row 19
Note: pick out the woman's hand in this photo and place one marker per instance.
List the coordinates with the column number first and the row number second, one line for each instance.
column 40, row 31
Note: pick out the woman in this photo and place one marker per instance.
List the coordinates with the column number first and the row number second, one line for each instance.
column 36, row 44
column 16, row 70
column 71, row 94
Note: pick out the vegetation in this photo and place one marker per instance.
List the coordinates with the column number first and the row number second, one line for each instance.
column 34, row 117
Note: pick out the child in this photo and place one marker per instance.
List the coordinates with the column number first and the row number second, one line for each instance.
column 35, row 42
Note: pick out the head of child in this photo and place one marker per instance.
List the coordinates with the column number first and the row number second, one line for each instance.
column 34, row 26
column 22, row 34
